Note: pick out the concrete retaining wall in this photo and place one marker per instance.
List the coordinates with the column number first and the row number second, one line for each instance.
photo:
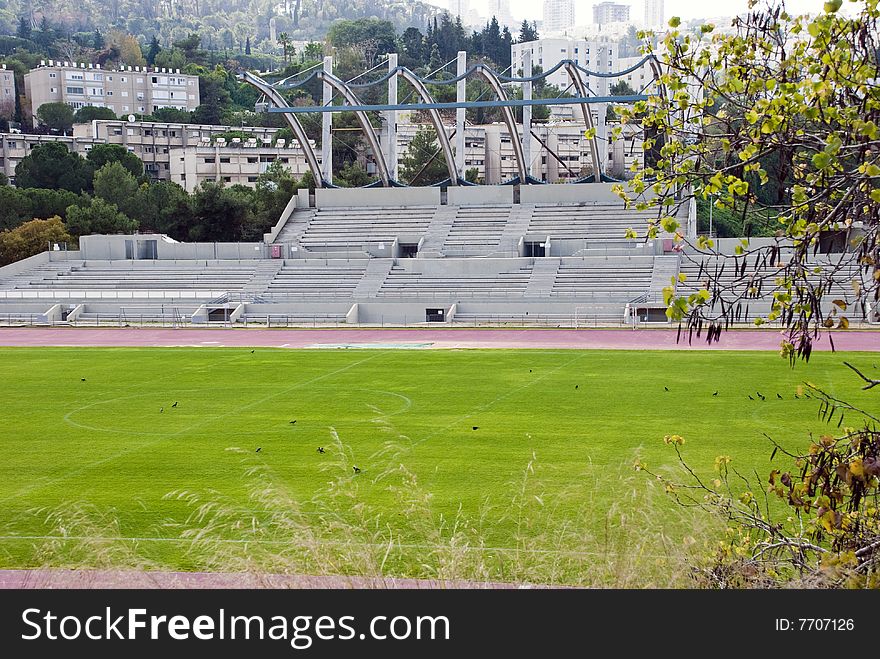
column 465, row 195
column 359, row 197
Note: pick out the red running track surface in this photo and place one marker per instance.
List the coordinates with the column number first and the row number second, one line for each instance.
column 610, row 339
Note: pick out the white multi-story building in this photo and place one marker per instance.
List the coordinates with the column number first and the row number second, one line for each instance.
column 610, row 12
column 233, row 163
column 500, row 9
column 129, row 90
column 655, row 14
column 559, row 16
column 152, row 142
column 7, row 93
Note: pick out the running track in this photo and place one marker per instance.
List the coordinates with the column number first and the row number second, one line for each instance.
column 610, row 339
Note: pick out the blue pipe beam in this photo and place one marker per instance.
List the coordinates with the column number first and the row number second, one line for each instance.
column 632, row 98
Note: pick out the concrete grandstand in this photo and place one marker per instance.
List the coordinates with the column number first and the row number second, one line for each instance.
column 531, row 255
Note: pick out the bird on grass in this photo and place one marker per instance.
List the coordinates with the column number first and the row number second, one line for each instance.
column 321, row 449
column 161, row 409
column 82, row 379
column 530, row 370
column 665, row 388
column 292, row 422
column 576, row 386
column 259, row 448
column 357, row 469
column 778, row 396
column 252, row 352
column 750, row 398
column 714, row 393
column 761, row 396
column 475, row 427
column 175, row 404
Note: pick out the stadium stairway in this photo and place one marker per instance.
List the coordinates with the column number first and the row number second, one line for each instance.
column 375, row 274
column 665, row 270
column 296, row 225
column 263, row 275
column 543, row 277
column 517, row 226
column 438, row 230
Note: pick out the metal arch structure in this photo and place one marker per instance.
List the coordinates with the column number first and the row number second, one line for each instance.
column 275, row 97
column 509, row 119
column 364, row 121
column 581, row 89
column 454, row 175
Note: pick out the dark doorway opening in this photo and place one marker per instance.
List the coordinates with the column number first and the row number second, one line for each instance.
column 409, row 250
column 534, row 249
column 435, row 315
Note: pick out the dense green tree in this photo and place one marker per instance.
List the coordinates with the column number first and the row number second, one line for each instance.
column 116, row 185
column 99, row 217
column 56, row 116
column 352, row 175
column 218, row 213
column 162, row 207
column 622, row 88
column 53, row 166
column 89, row 113
column 101, row 154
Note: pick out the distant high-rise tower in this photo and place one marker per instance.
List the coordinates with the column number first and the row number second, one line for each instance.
column 500, row 9
column 610, row 12
column 459, row 8
column 655, row 15
column 558, row 15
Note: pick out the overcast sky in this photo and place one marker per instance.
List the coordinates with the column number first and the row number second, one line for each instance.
column 532, row 9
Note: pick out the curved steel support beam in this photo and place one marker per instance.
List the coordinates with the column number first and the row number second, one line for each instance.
column 279, row 101
column 442, row 137
column 581, row 89
column 509, row 119
column 364, row 121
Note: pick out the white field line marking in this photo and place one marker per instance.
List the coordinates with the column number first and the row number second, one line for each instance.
column 182, row 431
column 345, row 543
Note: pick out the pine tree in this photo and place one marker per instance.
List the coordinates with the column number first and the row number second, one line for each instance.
column 422, row 164
column 154, row 50
column 247, row 46
column 24, row 28
column 98, row 40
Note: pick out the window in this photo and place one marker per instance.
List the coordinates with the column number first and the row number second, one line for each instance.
column 251, row 160
column 53, row 75
column 109, row 93
column 53, row 90
column 252, row 179
column 155, row 80
column 140, row 81
column 140, row 96
column 75, row 90
column 123, row 79
column 224, row 160
column 118, row 131
column 227, row 179
column 97, row 76
column 125, row 94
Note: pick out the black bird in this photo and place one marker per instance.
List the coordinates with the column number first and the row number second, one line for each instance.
column 175, row 404
column 82, row 379
column 750, row 398
column 665, row 388
column 357, row 469
column 320, row 449
column 161, row 409
column 475, row 427
column 779, row 397
column 760, row 395
column 259, row 448
column 252, row 352
column 530, row 370
column 714, row 393
column 292, row 422
column 576, row 386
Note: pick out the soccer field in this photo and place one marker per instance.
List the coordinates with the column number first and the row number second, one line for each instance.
column 95, row 440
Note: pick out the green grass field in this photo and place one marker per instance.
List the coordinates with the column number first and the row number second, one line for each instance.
column 97, row 458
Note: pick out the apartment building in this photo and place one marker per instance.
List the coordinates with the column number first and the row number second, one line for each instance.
column 128, row 90
column 233, row 163
column 7, row 93
column 610, row 12
column 153, row 141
